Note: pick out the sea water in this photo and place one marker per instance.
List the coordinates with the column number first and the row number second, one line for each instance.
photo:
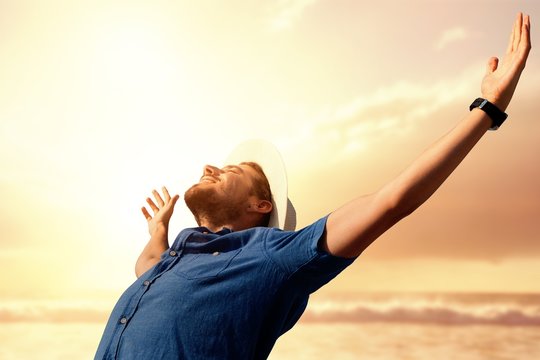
column 347, row 326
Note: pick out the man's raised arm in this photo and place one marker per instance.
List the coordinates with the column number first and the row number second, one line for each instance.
column 158, row 227
column 354, row 226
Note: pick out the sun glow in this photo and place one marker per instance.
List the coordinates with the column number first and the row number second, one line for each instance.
column 103, row 101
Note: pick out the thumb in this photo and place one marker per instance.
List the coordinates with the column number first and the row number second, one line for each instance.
column 175, row 199
column 492, row 65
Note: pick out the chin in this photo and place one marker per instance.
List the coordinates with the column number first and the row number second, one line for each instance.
column 200, row 196
column 207, row 202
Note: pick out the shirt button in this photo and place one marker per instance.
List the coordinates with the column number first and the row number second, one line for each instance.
column 205, row 232
column 123, row 320
column 146, row 283
column 216, row 253
column 172, row 253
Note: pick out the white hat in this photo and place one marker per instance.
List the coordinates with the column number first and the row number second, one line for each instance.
column 265, row 154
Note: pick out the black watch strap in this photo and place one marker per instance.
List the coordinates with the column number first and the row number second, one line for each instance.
column 497, row 116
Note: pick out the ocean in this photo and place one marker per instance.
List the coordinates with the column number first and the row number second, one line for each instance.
column 347, row 326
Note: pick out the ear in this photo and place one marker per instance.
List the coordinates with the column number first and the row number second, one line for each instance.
column 260, row 206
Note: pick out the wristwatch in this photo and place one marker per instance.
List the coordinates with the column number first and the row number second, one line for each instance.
column 497, row 116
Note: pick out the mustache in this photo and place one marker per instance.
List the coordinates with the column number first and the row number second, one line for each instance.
column 206, row 177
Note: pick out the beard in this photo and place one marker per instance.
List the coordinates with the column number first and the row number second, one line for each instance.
column 206, row 202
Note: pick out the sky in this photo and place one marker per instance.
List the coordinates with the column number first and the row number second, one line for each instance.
column 103, row 101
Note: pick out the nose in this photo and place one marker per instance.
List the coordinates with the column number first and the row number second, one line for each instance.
column 211, row 170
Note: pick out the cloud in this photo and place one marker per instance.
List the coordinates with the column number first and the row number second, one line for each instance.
column 288, row 11
column 398, row 108
column 451, row 36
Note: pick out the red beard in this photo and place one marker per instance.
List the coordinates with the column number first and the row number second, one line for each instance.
column 212, row 205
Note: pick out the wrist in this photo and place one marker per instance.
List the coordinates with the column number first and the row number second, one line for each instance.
column 159, row 228
column 497, row 103
column 495, row 113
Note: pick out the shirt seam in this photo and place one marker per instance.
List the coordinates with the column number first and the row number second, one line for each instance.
column 267, row 255
column 313, row 256
column 314, row 253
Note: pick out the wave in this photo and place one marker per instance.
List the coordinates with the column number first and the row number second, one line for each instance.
column 52, row 312
column 457, row 310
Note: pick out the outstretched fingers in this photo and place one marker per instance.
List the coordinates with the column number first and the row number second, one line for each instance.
column 153, row 206
column 168, row 198
column 517, row 32
column 518, row 26
column 512, row 35
column 525, row 41
column 158, row 198
column 166, row 194
column 164, row 206
column 523, row 47
column 520, row 42
column 146, row 214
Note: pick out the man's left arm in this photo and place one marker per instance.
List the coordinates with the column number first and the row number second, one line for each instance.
column 354, row 226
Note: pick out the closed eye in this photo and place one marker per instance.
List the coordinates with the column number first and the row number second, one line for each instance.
column 233, row 169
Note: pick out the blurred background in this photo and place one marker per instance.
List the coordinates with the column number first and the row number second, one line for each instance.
column 103, row 101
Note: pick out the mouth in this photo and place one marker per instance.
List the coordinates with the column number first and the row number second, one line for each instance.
column 208, row 179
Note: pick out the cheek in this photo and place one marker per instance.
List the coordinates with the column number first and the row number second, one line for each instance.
column 238, row 189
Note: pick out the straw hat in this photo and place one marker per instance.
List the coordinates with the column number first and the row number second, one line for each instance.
column 265, row 154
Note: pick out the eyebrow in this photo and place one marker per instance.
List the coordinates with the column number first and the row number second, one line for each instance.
column 234, row 167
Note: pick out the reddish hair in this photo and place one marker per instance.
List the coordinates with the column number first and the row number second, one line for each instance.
column 261, row 188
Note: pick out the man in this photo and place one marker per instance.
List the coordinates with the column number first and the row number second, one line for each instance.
column 230, row 287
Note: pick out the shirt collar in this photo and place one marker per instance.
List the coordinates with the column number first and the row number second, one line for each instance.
column 205, row 230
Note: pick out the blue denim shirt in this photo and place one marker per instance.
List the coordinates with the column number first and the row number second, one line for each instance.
column 224, row 295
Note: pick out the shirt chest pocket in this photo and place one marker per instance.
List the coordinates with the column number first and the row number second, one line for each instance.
column 202, row 265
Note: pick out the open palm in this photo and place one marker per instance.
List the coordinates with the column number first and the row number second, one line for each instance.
column 501, row 80
column 162, row 211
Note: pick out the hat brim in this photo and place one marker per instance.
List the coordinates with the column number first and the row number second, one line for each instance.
column 265, row 154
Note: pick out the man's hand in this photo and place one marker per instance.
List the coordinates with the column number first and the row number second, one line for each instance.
column 162, row 212
column 501, row 80
column 158, row 227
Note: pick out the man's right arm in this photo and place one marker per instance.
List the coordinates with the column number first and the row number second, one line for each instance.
column 151, row 253
column 158, row 227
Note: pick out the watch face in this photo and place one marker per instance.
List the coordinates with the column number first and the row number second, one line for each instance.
column 483, row 103
column 476, row 103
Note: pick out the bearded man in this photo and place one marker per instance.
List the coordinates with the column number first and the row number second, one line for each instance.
column 230, row 287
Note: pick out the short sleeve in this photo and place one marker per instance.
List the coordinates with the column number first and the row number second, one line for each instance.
column 298, row 255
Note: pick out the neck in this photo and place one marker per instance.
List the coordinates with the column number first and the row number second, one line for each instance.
column 214, row 227
column 239, row 224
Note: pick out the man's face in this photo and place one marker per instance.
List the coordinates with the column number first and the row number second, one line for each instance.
column 231, row 181
column 221, row 194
